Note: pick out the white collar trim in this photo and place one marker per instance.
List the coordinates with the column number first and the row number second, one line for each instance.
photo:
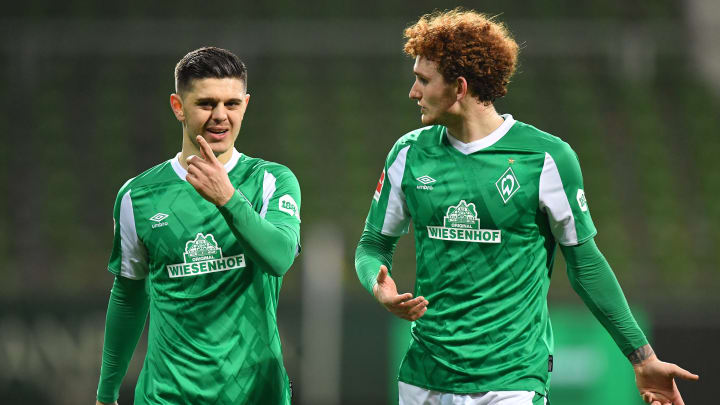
column 491, row 139
column 182, row 173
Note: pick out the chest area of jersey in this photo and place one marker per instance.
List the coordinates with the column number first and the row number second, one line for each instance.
column 473, row 197
column 185, row 235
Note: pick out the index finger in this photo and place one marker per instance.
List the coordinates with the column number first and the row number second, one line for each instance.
column 205, row 149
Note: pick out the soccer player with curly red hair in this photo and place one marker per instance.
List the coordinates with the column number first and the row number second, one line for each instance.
column 490, row 199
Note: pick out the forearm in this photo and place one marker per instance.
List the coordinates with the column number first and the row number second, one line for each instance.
column 594, row 281
column 373, row 250
column 272, row 247
column 125, row 320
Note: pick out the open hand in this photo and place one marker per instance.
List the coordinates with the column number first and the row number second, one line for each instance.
column 401, row 305
column 655, row 380
column 208, row 175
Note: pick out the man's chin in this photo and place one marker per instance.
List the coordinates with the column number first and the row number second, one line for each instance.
column 427, row 120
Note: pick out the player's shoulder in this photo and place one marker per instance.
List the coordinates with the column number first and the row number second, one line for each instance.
column 259, row 167
column 421, row 137
column 160, row 173
column 530, row 137
column 430, row 135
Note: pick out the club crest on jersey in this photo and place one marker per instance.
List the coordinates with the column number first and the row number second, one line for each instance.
column 202, row 256
column 462, row 224
column 378, row 188
column 582, row 201
column 507, row 185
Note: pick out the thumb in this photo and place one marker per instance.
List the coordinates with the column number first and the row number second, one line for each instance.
column 382, row 274
column 684, row 374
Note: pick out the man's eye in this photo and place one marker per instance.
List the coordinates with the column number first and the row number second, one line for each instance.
column 423, row 80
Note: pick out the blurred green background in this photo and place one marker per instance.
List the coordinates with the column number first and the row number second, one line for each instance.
column 634, row 87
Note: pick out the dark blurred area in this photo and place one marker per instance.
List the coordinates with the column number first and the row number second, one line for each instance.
column 634, row 87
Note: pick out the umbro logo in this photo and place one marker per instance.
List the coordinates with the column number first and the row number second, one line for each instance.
column 426, row 181
column 158, row 219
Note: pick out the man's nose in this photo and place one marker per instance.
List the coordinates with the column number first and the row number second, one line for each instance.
column 219, row 113
column 414, row 93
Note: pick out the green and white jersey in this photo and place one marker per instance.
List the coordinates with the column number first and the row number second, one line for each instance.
column 213, row 336
column 487, row 216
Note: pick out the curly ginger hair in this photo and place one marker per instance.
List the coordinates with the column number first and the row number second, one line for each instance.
column 468, row 44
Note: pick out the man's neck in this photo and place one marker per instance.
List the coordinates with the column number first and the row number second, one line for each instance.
column 475, row 122
column 190, row 149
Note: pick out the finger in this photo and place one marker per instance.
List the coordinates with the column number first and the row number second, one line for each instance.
column 678, row 399
column 419, row 314
column 193, row 160
column 417, row 310
column 414, row 315
column 382, row 274
column 207, row 152
column 411, row 303
column 399, row 299
column 684, row 374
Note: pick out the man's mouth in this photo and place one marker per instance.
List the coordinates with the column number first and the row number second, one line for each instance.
column 218, row 132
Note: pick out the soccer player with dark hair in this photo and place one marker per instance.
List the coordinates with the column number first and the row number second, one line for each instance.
column 202, row 241
column 490, row 198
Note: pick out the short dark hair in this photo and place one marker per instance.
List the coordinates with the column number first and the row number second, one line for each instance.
column 208, row 62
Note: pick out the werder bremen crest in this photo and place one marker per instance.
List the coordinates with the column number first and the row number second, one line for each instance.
column 462, row 224
column 203, row 255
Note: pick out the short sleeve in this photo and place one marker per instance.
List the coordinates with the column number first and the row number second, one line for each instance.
column 562, row 197
column 388, row 209
column 281, row 199
column 129, row 256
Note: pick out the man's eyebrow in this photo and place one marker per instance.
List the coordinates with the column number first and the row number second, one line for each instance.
column 215, row 100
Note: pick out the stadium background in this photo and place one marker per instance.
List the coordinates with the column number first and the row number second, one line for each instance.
column 634, row 87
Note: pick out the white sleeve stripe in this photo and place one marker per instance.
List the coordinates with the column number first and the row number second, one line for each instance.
column 554, row 202
column 396, row 214
column 134, row 256
column 268, row 191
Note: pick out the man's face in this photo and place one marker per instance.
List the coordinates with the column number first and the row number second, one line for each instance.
column 433, row 94
column 213, row 108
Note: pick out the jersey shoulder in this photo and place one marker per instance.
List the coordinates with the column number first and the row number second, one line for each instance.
column 158, row 174
column 253, row 166
column 421, row 137
column 524, row 136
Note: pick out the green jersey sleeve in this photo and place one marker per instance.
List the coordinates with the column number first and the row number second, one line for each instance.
column 129, row 257
column 373, row 250
column 389, row 210
column 594, row 281
column 562, row 197
column 125, row 320
column 271, row 238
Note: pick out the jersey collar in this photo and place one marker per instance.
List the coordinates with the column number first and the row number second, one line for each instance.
column 491, row 139
column 182, row 173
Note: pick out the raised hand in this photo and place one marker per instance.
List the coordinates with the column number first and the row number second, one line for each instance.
column 401, row 305
column 208, row 175
column 655, row 379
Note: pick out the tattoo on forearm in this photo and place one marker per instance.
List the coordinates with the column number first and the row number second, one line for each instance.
column 640, row 354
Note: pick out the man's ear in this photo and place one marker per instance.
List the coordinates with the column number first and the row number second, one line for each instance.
column 462, row 88
column 176, row 104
